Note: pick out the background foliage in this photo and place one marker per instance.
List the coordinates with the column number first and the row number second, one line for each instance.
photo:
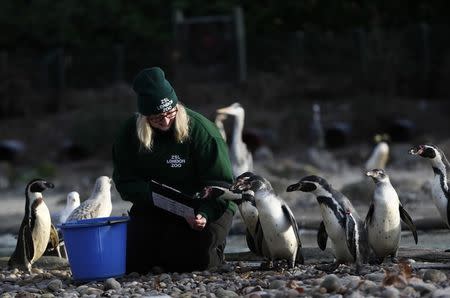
column 46, row 23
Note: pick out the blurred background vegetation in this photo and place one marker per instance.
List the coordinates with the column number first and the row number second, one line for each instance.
column 66, row 66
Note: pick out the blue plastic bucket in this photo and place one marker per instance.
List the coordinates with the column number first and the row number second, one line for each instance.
column 96, row 248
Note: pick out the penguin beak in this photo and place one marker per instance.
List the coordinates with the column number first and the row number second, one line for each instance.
column 416, row 150
column 294, row 187
column 49, row 185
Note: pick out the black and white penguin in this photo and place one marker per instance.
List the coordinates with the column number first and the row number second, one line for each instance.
column 341, row 222
column 98, row 204
column 247, row 209
column 440, row 184
column 383, row 218
column 34, row 232
column 240, row 156
column 277, row 236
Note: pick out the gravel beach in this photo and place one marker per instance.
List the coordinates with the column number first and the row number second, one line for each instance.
column 411, row 277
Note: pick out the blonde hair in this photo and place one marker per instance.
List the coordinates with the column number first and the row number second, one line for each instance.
column 145, row 131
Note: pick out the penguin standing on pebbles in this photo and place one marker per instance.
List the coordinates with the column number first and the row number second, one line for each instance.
column 340, row 222
column 247, row 210
column 277, row 236
column 34, row 232
column 98, row 204
column 383, row 218
column 440, row 185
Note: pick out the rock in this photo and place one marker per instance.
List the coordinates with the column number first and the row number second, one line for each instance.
column 390, row 292
column 54, row 285
column 111, row 283
column 225, row 293
column 441, row 293
column 434, row 275
column 331, row 283
column 276, row 284
column 420, row 286
column 376, row 277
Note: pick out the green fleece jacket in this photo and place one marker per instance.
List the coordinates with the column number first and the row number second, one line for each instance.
column 200, row 161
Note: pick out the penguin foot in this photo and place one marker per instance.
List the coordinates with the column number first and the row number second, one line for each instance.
column 376, row 260
column 328, row 268
column 394, row 260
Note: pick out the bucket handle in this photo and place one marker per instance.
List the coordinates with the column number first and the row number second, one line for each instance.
column 115, row 221
column 84, row 225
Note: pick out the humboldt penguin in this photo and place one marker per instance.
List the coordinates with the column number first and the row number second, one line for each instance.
column 440, row 185
column 383, row 218
column 247, row 210
column 277, row 235
column 240, row 156
column 34, row 232
column 98, row 204
column 341, row 223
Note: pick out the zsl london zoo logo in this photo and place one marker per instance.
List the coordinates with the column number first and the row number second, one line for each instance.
column 175, row 161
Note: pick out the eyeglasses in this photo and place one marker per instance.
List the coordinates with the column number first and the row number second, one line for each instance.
column 160, row 118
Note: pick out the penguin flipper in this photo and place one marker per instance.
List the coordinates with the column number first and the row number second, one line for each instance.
column 448, row 208
column 28, row 243
column 260, row 242
column 322, row 236
column 369, row 215
column 350, row 230
column 22, row 254
column 250, row 241
column 407, row 219
column 288, row 213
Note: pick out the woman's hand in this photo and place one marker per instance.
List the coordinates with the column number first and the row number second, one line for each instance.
column 198, row 223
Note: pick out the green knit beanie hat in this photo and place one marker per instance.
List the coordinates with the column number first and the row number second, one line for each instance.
column 155, row 95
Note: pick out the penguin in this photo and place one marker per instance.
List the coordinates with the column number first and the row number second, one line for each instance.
column 440, row 184
column 34, row 232
column 380, row 153
column 98, row 204
column 383, row 218
column 240, row 156
column 72, row 202
column 341, row 223
column 277, row 235
column 247, row 209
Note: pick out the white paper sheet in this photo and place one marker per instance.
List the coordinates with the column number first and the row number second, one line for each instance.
column 172, row 206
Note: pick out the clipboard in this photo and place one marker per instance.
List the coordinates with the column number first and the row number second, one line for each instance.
column 171, row 200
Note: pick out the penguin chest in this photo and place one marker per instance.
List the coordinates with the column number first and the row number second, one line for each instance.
column 439, row 197
column 384, row 229
column 337, row 234
column 279, row 234
column 249, row 214
column 41, row 231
